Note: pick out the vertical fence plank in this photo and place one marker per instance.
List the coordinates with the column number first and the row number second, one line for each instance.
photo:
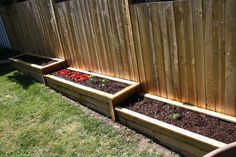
column 159, row 51
column 173, row 50
column 146, row 44
column 110, row 38
column 199, row 51
column 190, row 53
column 167, row 59
column 138, row 49
column 219, row 50
column 180, row 35
column 131, row 50
column 230, row 74
column 209, row 53
column 60, row 10
column 121, row 40
column 124, row 36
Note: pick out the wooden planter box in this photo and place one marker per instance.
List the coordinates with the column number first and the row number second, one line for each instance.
column 97, row 100
column 186, row 142
column 34, row 70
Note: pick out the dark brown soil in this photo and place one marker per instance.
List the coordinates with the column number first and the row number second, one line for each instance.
column 35, row 60
column 110, row 86
column 199, row 123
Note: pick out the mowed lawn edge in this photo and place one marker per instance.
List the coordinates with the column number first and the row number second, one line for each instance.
column 36, row 121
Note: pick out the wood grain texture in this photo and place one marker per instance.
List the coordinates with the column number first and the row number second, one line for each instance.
column 219, row 51
column 98, row 100
column 181, row 50
column 97, row 36
column 190, row 42
column 36, row 71
column 230, row 50
column 208, row 37
column 34, row 28
column 188, row 143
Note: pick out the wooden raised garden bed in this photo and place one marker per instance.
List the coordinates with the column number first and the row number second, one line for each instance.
column 100, row 93
column 36, row 66
column 172, row 124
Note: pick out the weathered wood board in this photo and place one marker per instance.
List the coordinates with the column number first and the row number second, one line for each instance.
column 36, row 71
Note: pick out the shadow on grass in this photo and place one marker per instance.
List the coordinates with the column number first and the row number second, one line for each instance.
column 5, row 69
column 21, row 79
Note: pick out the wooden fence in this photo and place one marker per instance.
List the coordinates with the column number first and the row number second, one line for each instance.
column 186, row 52
column 97, row 36
column 34, row 28
column 181, row 50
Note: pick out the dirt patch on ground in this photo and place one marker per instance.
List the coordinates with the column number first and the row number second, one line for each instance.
column 199, row 123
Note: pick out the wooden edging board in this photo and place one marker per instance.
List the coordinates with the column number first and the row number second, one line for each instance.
column 36, row 71
column 186, row 142
column 84, row 94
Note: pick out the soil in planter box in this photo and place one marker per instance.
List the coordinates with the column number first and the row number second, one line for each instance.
column 109, row 86
column 199, row 123
column 35, row 60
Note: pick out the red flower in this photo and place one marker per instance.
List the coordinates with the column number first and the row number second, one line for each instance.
column 72, row 75
column 62, row 72
column 82, row 78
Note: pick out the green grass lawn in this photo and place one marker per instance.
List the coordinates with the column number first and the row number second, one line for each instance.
column 36, row 121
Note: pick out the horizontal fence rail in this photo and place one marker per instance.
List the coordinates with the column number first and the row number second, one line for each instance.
column 180, row 50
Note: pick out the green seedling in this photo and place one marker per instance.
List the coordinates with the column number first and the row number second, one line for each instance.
column 92, row 78
column 175, row 116
column 104, row 82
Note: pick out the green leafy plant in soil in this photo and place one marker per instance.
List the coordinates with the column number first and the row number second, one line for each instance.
column 174, row 116
column 36, row 121
column 104, row 82
column 92, row 79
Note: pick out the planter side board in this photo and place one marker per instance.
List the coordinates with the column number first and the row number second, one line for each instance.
column 180, row 140
column 86, row 98
column 28, row 70
column 93, row 101
column 36, row 71
column 99, row 101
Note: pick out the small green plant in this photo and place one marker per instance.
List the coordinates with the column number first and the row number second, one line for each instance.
column 104, row 82
column 92, row 79
column 174, row 116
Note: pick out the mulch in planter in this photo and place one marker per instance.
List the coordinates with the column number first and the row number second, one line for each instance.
column 98, row 83
column 199, row 123
column 36, row 60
